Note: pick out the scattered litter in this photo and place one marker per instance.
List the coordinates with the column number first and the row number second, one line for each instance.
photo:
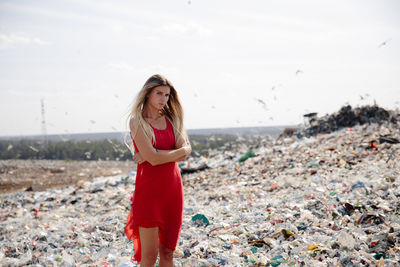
column 349, row 117
column 249, row 154
column 327, row 200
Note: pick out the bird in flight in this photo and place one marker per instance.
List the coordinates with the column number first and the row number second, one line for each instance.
column 362, row 97
column 384, row 43
column 298, row 72
column 262, row 103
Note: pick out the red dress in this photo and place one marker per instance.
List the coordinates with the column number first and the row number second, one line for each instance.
column 158, row 197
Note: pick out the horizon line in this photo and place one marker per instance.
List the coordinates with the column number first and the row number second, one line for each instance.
column 188, row 130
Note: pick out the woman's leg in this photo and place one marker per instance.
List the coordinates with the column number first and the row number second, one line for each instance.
column 166, row 257
column 149, row 245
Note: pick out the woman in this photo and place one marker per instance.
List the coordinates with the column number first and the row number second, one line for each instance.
column 159, row 141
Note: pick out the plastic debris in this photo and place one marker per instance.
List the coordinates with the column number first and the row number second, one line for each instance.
column 390, row 140
column 249, row 154
column 349, row 117
column 189, row 167
column 276, row 261
column 327, row 200
column 200, row 220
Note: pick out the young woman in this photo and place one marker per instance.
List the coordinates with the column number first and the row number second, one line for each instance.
column 159, row 140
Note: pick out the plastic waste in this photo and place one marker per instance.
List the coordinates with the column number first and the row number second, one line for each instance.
column 390, row 140
column 127, row 264
column 346, row 240
column 200, row 219
column 270, row 210
column 276, row 261
column 247, row 155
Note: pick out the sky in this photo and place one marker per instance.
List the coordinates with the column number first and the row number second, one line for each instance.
column 234, row 63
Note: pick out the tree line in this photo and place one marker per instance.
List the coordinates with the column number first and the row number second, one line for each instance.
column 109, row 149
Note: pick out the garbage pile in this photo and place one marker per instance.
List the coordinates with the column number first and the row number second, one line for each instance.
column 349, row 117
column 329, row 200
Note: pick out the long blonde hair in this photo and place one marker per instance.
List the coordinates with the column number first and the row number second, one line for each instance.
column 172, row 110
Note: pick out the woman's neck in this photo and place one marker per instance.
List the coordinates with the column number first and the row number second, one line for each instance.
column 152, row 113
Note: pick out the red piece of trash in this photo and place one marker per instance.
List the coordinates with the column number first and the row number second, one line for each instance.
column 373, row 144
column 273, row 185
column 273, row 222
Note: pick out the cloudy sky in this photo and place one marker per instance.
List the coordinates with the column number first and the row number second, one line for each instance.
column 234, row 63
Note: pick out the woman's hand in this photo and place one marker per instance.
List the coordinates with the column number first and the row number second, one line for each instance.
column 137, row 158
column 188, row 149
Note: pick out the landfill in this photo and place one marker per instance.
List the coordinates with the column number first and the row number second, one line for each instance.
column 348, row 117
column 330, row 199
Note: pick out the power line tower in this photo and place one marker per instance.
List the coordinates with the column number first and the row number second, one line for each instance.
column 44, row 131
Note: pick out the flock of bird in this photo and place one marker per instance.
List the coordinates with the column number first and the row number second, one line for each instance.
column 299, row 71
column 260, row 101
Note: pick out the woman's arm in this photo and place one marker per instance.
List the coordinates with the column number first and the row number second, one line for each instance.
column 148, row 153
column 139, row 159
column 180, row 143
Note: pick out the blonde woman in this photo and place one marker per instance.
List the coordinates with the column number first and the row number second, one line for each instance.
column 159, row 141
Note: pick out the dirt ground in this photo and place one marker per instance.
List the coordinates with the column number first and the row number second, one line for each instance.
column 40, row 175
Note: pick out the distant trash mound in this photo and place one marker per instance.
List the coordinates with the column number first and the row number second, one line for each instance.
column 347, row 117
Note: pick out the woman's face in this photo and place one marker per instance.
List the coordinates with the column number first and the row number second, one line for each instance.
column 158, row 97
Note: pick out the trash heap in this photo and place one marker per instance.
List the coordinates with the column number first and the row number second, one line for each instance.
column 349, row 117
column 329, row 200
